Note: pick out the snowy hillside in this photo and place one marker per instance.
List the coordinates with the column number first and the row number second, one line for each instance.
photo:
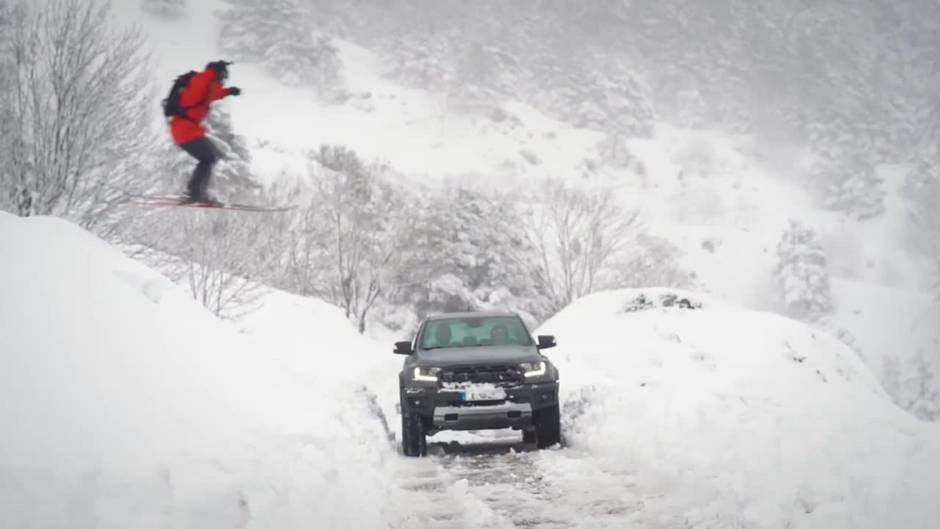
column 740, row 418
column 723, row 200
column 124, row 403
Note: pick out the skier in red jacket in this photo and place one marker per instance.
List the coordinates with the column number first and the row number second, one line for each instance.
column 188, row 133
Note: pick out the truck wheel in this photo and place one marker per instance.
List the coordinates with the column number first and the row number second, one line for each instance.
column 413, row 442
column 547, row 427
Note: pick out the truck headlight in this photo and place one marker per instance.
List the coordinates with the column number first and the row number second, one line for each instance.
column 533, row 369
column 427, row 374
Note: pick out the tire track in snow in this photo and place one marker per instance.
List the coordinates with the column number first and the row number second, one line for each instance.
column 509, row 485
column 428, row 497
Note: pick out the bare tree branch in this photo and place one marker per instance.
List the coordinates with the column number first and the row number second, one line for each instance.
column 77, row 112
column 578, row 235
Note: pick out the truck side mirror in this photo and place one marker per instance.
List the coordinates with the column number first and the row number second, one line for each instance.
column 403, row 348
column 546, row 342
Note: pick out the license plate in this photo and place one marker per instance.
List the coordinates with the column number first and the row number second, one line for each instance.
column 484, row 393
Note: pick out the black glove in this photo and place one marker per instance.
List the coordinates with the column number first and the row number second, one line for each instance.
column 234, row 91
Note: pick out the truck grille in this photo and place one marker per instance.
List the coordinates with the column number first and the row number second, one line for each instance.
column 504, row 376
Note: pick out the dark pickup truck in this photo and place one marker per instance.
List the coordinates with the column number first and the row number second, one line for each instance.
column 477, row 371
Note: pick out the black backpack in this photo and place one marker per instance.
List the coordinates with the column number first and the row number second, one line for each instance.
column 171, row 105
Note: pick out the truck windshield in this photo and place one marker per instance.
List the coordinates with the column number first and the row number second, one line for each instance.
column 475, row 331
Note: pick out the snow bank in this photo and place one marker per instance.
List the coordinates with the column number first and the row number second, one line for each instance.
column 740, row 418
column 897, row 333
column 124, row 404
column 313, row 342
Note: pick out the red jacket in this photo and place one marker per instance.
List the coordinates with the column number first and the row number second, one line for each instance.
column 203, row 89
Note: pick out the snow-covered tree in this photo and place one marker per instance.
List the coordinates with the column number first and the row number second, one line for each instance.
column 171, row 9
column 484, row 73
column 592, row 99
column 922, row 190
column 344, row 246
column 466, row 252
column 281, row 35
column 853, row 187
column 76, row 112
column 833, row 75
column 578, row 235
column 6, row 18
column 308, row 62
column 936, row 276
column 7, row 66
column 801, row 274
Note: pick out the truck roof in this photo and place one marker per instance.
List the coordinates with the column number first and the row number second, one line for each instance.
column 478, row 314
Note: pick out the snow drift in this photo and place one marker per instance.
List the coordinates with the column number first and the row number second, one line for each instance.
column 740, row 418
column 124, row 404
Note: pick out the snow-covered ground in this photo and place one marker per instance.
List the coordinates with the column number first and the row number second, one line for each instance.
column 125, row 404
column 741, row 418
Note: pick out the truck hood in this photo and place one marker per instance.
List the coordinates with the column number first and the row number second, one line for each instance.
column 480, row 355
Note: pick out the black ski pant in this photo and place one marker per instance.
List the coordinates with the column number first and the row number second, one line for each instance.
column 202, row 150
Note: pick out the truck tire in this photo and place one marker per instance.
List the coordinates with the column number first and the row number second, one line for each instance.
column 413, row 441
column 547, row 427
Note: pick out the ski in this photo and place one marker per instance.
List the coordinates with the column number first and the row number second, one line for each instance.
column 179, row 201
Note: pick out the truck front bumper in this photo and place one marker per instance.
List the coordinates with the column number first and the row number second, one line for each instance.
column 442, row 409
column 483, row 417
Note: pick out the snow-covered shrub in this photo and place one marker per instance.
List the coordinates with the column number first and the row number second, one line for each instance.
column 310, row 61
column 659, row 299
column 922, row 190
column 613, row 151
column 844, row 335
column 913, row 385
column 425, row 61
column 801, row 274
column 218, row 259
column 853, row 187
column 483, row 75
column 652, row 262
column 592, row 100
column 171, row 9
